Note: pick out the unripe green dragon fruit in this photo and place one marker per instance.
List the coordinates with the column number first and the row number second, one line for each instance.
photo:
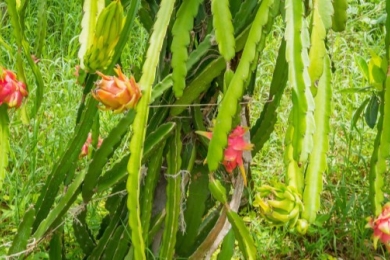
column 281, row 205
column 108, row 29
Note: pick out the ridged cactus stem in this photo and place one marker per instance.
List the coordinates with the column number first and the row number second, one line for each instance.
column 23, row 234
column 297, row 43
column 339, row 18
column 137, row 140
column 151, row 180
column 382, row 142
column 23, row 47
column 228, row 108
column 294, row 176
column 4, row 145
column 173, row 192
column 317, row 160
column 13, row 14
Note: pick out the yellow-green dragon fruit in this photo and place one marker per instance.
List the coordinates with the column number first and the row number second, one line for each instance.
column 108, row 29
column 281, row 205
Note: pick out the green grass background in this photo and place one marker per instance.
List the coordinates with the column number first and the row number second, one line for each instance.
column 340, row 231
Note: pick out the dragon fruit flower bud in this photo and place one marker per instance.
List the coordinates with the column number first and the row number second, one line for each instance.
column 234, row 151
column 87, row 144
column 117, row 93
column 381, row 227
column 12, row 91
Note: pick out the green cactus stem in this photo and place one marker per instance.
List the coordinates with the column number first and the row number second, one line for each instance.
column 4, row 142
column 235, row 91
column 173, row 192
column 137, row 140
column 317, row 160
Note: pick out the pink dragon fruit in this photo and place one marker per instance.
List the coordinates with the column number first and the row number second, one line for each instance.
column 234, row 151
column 12, row 91
column 381, row 227
column 87, row 144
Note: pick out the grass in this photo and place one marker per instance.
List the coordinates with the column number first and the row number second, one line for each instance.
column 339, row 231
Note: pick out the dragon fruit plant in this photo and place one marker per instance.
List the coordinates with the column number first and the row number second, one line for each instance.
column 175, row 206
column 378, row 164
